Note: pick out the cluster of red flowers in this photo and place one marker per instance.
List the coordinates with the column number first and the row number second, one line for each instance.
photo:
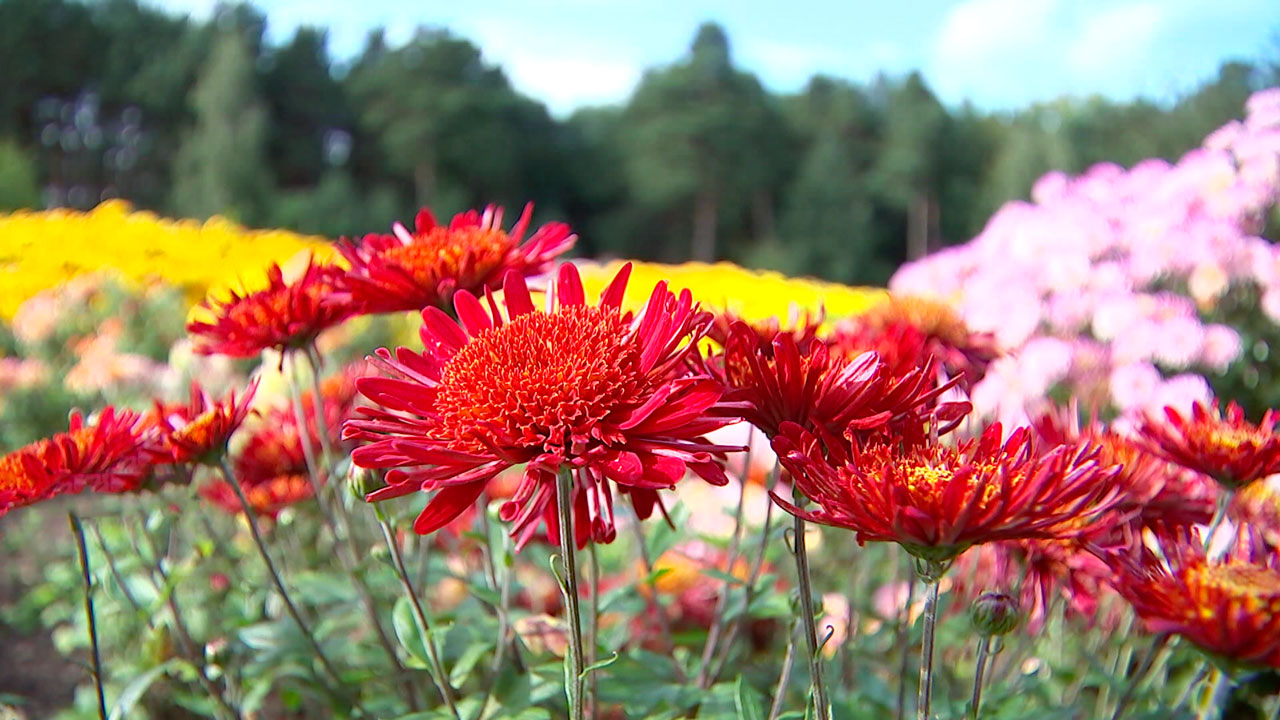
column 121, row 451
column 394, row 272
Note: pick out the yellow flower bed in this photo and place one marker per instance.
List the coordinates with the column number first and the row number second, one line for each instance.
column 749, row 294
column 39, row 250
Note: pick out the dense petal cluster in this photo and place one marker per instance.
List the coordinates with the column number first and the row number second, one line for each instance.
column 103, row 455
column 820, row 391
column 937, row 501
column 282, row 315
column 586, row 388
column 905, row 331
column 412, row 271
column 198, row 431
column 1226, row 447
column 1228, row 606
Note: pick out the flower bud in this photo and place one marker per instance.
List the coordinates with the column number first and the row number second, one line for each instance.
column 362, row 481
column 995, row 613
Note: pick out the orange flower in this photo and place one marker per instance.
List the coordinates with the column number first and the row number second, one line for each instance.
column 937, row 501
column 103, row 455
column 198, row 432
column 1227, row 448
column 1229, row 607
column 583, row 387
column 412, row 271
column 281, row 316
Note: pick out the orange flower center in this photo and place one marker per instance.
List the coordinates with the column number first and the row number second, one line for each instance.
column 269, row 307
column 442, row 253
column 1257, row 589
column 927, row 483
column 540, row 380
column 13, row 473
column 201, row 432
column 1231, row 438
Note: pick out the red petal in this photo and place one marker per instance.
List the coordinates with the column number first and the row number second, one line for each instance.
column 448, row 503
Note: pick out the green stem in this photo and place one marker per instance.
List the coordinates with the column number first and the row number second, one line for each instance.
column 655, row 605
column 574, row 686
column 1132, row 682
column 930, row 573
column 1219, row 514
column 784, row 677
column 438, row 675
column 593, row 630
column 1219, row 691
column 822, row 707
column 78, row 530
column 984, row 647
column 317, row 404
column 251, row 518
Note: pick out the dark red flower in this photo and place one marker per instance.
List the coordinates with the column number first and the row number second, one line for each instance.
column 103, row 455
column 198, row 431
column 281, row 316
column 803, row 330
column 1227, row 448
column 821, row 392
column 412, row 271
column 936, row 501
column 589, row 388
column 905, row 331
column 1228, row 606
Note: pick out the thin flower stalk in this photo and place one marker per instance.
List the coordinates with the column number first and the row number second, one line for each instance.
column 717, row 624
column 655, row 605
column 83, row 552
column 930, row 573
column 229, row 475
column 984, row 650
column 822, row 705
column 784, row 677
column 438, row 676
column 757, row 567
column 574, row 664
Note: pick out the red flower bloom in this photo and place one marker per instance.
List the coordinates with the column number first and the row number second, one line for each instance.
column 103, row 455
column 937, row 501
column 198, row 432
column 282, row 316
column 267, row 496
column 1227, row 448
column 578, row 386
column 823, row 393
column 905, row 331
column 404, row 271
column 803, row 330
column 1228, row 607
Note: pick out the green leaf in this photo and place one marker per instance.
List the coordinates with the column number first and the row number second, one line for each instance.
column 136, row 688
column 467, row 661
column 407, row 632
column 747, row 701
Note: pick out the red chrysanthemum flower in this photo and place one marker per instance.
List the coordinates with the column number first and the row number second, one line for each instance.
column 1228, row 607
column 267, row 496
column 821, row 392
column 412, row 271
column 1036, row 572
column 1155, row 492
column 198, row 431
column 802, row 329
column 905, row 331
column 1227, row 447
column 589, row 388
column 1258, row 505
column 282, row 316
column 103, row 455
column 937, row 501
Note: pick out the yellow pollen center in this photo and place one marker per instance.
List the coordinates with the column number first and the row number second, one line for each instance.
column 1257, row 589
column 1231, row 438
column 199, row 432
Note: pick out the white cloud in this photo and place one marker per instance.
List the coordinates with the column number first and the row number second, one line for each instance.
column 1116, row 38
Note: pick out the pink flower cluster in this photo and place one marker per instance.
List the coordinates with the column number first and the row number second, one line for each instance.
column 1098, row 282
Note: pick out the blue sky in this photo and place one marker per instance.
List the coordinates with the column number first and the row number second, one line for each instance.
column 999, row 54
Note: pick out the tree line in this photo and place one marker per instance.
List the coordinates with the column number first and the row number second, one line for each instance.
column 841, row 180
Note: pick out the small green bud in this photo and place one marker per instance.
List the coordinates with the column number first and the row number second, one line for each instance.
column 995, row 613
column 362, row 481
